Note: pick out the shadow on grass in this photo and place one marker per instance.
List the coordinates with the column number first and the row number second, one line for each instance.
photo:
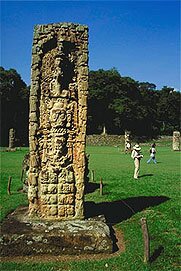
column 118, row 211
column 156, row 254
column 91, row 187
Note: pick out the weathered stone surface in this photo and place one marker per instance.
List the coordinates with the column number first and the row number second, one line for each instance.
column 58, row 116
column 35, row 237
column 127, row 141
column 176, row 141
column 105, row 140
column 11, row 138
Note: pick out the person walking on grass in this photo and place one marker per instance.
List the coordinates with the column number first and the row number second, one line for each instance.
column 152, row 154
column 136, row 155
column 127, row 147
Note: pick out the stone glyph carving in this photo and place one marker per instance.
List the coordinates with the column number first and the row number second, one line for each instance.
column 176, row 141
column 11, row 138
column 127, row 141
column 57, row 125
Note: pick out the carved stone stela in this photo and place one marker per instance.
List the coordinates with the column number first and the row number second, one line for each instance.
column 11, row 138
column 127, row 141
column 57, row 124
column 176, row 141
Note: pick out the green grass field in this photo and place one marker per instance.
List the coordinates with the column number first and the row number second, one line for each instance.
column 124, row 201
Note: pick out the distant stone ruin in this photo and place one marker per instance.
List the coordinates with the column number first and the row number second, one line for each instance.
column 11, row 138
column 127, row 142
column 57, row 124
column 176, row 141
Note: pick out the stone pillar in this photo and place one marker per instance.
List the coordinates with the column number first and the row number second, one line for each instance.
column 176, row 141
column 127, row 146
column 57, row 121
column 11, row 138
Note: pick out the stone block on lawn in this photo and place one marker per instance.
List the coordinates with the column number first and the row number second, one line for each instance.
column 22, row 236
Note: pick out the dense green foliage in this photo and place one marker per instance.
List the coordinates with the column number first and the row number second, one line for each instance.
column 155, row 196
column 121, row 103
column 14, row 95
column 114, row 102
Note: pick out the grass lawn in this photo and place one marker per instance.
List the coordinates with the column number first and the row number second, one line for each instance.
column 124, row 201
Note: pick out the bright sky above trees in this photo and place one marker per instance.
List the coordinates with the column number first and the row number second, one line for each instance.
column 139, row 38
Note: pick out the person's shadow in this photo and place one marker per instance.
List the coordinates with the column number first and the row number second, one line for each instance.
column 120, row 210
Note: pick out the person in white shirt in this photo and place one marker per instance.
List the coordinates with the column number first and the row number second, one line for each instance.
column 127, row 147
column 136, row 155
column 152, row 154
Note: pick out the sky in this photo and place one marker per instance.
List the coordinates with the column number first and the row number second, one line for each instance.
column 141, row 39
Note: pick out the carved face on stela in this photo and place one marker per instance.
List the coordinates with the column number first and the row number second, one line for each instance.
column 58, row 114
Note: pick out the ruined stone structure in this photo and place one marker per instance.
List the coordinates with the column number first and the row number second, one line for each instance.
column 11, row 138
column 127, row 142
column 57, row 124
column 176, row 141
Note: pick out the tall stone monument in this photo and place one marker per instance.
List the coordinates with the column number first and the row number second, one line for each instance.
column 11, row 138
column 127, row 142
column 57, row 121
column 57, row 167
column 176, row 141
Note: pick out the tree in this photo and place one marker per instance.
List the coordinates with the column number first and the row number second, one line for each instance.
column 14, row 106
column 115, row 104
column 168, row 111
column 103, row 86
column 121, row 103
column 126, row 103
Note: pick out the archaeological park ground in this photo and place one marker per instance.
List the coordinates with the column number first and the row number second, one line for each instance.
column 79, row 207
column 124, row 202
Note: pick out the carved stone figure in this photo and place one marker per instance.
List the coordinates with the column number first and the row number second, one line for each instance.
column 58, row 116
column 127, row 141
column 176, row 141
column 11, row 138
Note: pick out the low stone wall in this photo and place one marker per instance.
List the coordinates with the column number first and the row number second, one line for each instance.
column 117, row 140
column 105, row 140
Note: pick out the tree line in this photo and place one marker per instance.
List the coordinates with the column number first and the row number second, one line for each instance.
column 14, row 94
column 121, row 103
column 115, row 104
